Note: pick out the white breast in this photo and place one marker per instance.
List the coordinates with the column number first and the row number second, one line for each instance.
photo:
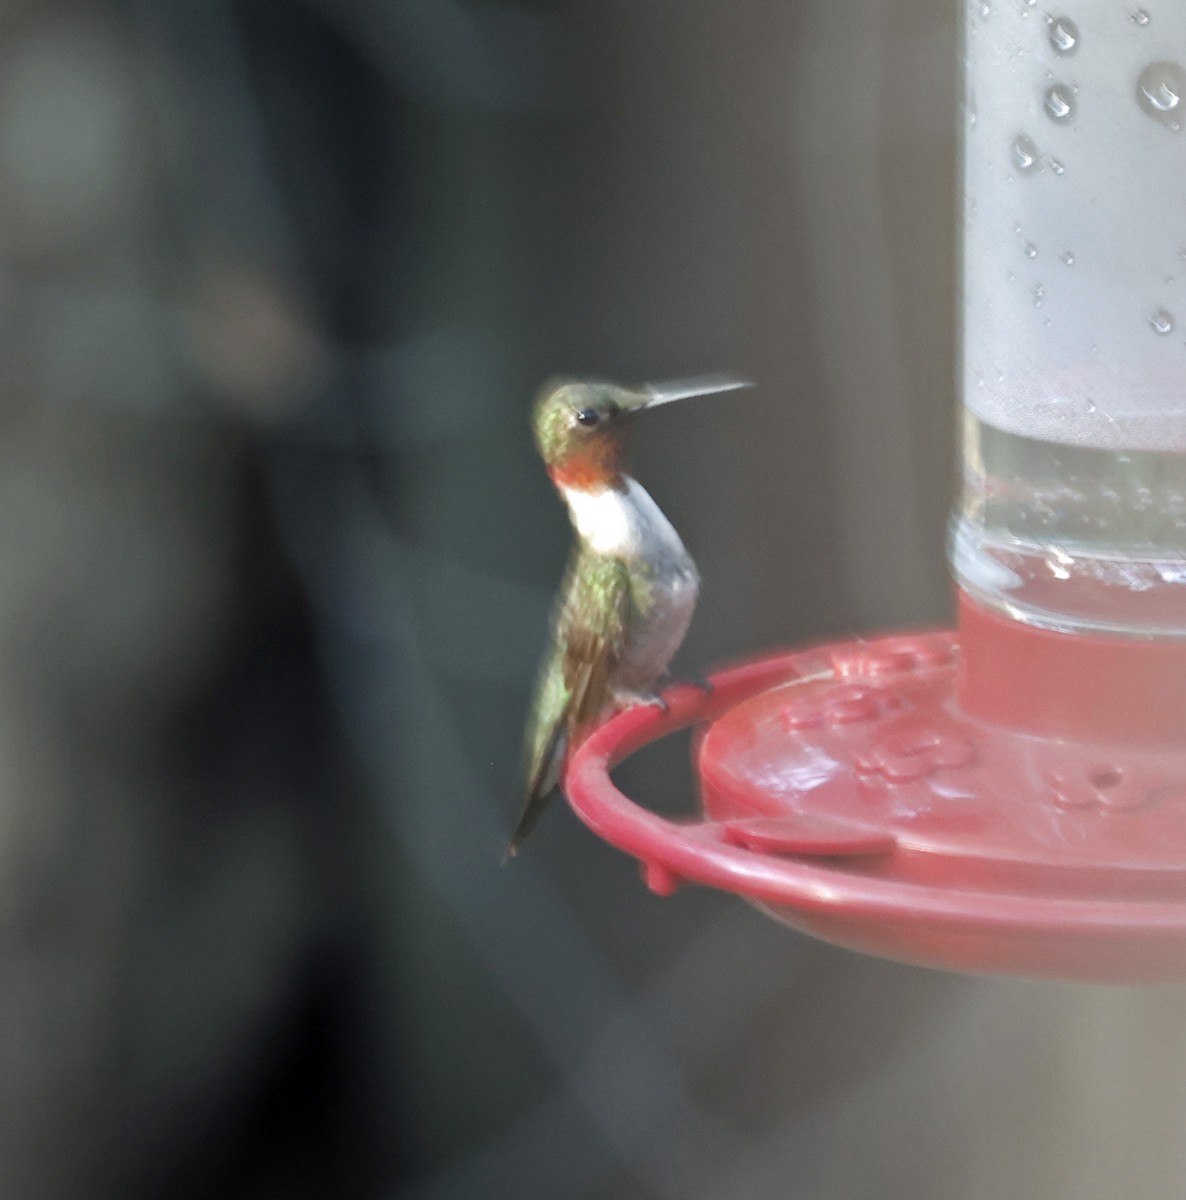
column 626, row 524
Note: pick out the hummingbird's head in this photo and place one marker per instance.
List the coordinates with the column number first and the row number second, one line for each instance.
column 581, row 427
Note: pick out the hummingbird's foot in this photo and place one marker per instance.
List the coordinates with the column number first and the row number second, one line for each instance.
column 634, row 699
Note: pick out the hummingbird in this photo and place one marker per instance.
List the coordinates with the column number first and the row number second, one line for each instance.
column 630, row 588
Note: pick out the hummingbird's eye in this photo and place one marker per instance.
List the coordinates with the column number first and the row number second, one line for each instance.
column 589, row 417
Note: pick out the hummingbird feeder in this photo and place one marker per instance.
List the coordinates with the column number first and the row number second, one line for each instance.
column 1012, row 797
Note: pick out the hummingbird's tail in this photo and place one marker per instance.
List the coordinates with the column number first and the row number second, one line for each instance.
column 543, row 782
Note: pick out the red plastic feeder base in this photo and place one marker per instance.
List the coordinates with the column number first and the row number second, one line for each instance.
column 1023, row 812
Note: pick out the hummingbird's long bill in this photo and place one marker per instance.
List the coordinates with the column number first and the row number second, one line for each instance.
column 685, row 389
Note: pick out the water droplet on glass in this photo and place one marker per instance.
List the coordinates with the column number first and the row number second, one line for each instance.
column 1060, row 102
column 1056, row 166
column 985, row 10
column 1064, row 35
column 1025, row 153
column 1010, row 276
column 1160, row 89
column 1139, row 17
column 1031, row 251
column 1162, row 321
column 1068, row 258
column 1039, row 293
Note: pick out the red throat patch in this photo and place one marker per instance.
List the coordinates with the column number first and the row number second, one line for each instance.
column 595, row 470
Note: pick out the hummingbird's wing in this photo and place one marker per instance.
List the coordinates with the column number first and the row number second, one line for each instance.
column 588, row 637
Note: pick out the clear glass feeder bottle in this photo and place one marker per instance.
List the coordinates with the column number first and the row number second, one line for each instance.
column 1073, row 508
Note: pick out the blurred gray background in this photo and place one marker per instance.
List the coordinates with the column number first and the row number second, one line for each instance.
column 278, row 281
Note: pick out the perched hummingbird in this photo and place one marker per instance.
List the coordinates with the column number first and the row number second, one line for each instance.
column 628, row 595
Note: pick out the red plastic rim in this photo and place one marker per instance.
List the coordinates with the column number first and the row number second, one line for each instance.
column 848, row 874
